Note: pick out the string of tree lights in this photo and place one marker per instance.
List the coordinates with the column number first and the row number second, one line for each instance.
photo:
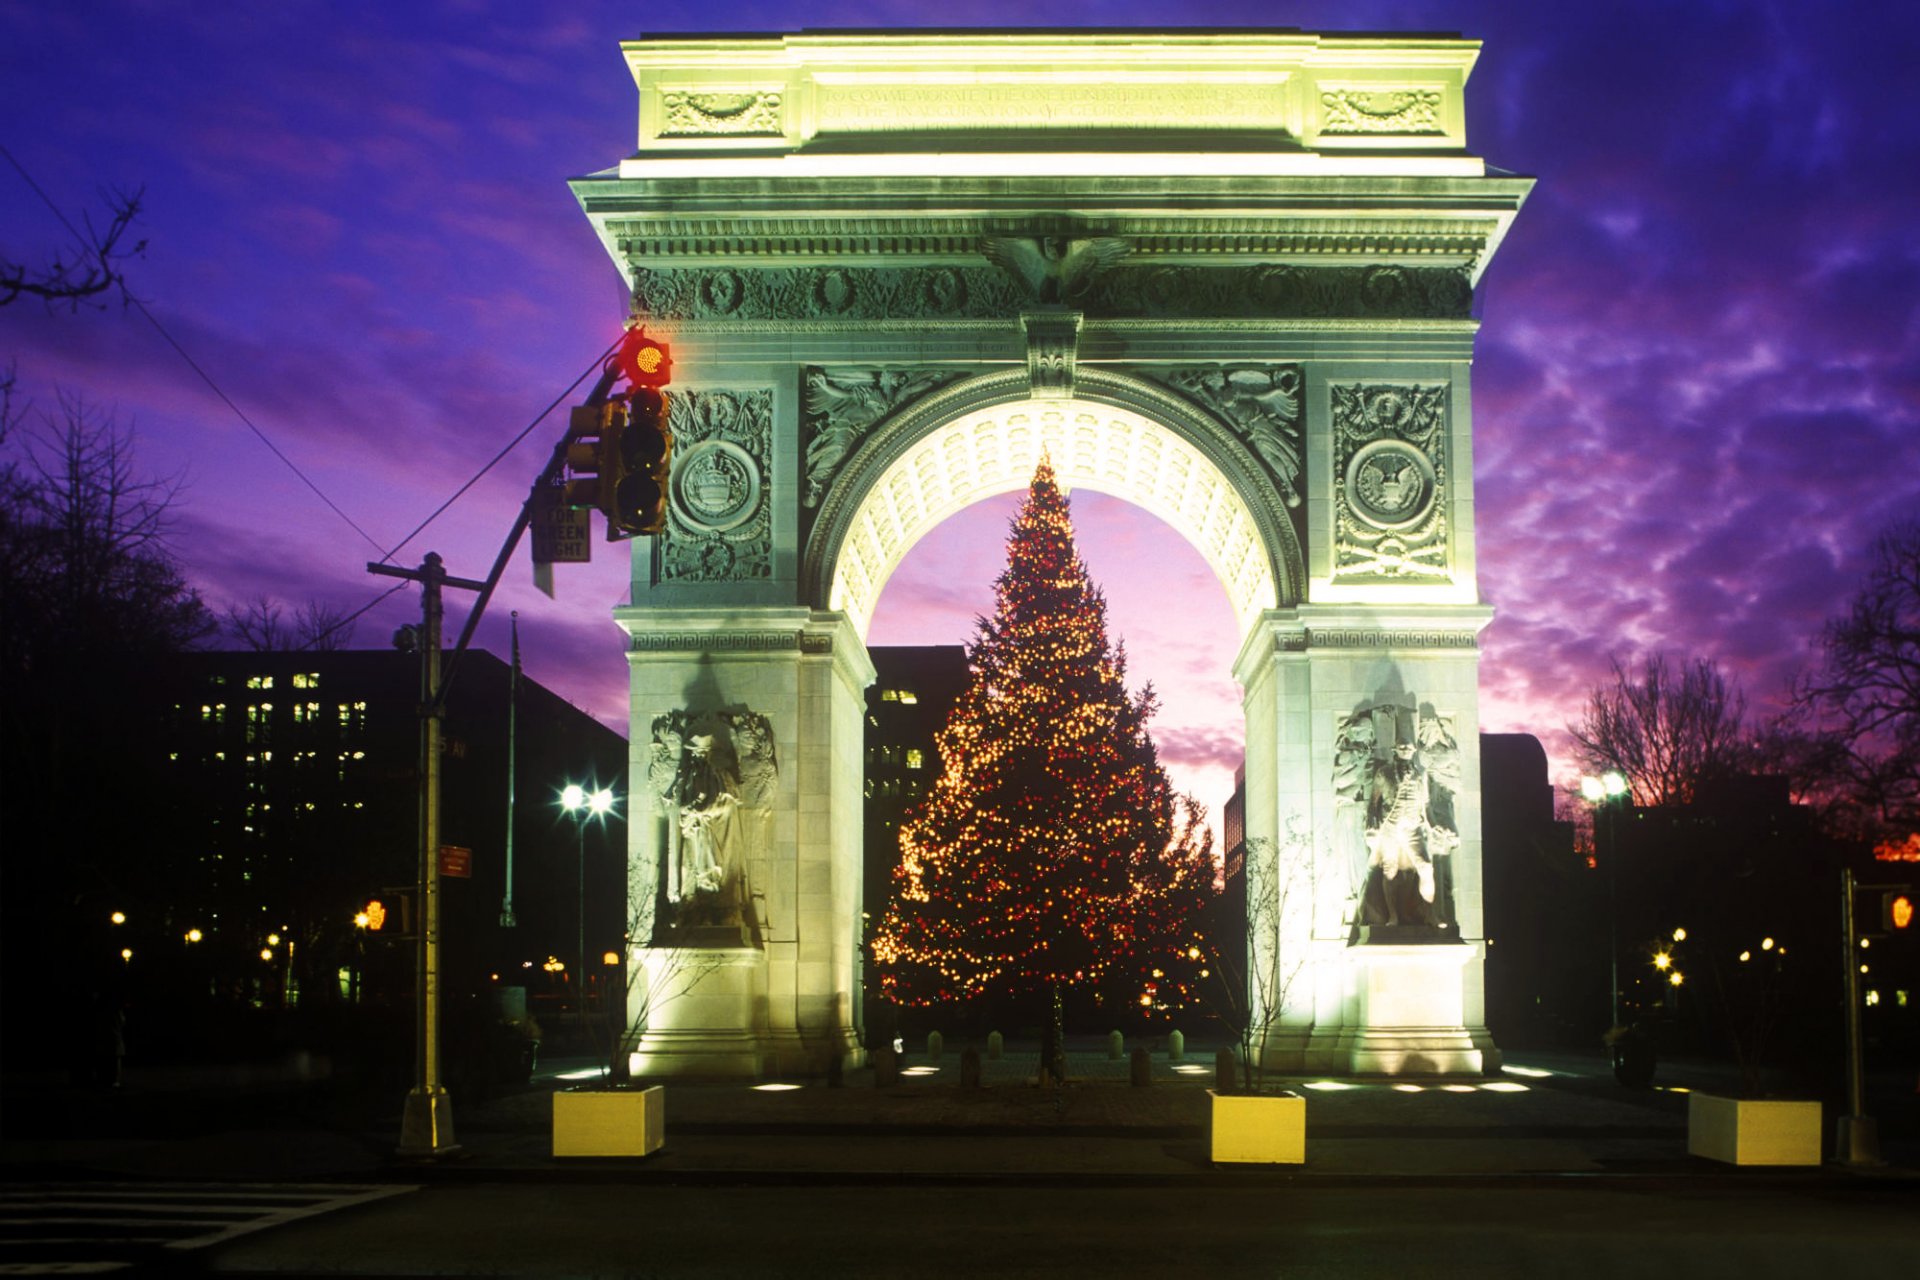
column 1051, row 851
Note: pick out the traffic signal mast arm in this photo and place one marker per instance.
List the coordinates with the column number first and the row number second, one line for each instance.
column 644, row 374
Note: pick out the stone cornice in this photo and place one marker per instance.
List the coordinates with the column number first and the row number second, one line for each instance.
column 956, row 240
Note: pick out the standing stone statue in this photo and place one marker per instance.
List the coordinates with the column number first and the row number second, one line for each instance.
column 713, row 775
column 1403, row 781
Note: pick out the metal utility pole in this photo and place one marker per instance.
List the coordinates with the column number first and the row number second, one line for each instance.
column 426, row 1126
column 507, row 920
column 1858, row 1138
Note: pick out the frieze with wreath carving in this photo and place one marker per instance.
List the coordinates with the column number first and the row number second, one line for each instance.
column 1390, row 481
column 1410, row 112
column 691, row 113
column 1268, row 290
column 841, row 405
column 719, row 513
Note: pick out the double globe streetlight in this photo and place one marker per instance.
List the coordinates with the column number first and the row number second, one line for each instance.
column 1605, row 793
column 583, row 804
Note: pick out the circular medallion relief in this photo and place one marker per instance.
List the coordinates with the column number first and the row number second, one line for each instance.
column 1390, row 484
column 716, row 485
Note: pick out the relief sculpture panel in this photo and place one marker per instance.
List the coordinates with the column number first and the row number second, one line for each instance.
column 719, row 512
column 1390, row 482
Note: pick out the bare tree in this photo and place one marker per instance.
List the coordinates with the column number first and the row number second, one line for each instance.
column 1667, row 727
column 84, row 562
column 262, row 624
column 1866, row 692
column 1254, row 981
column 95, row 265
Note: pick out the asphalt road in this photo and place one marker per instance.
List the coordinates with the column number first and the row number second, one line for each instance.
column 1296, row 1232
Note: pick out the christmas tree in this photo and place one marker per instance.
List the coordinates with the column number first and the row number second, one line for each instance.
column 1051, row 852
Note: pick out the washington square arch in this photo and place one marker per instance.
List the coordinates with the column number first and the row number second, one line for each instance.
column 1227, row 277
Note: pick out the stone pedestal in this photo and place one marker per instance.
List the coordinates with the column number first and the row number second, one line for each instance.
column 705, row 1022
column 1411, row 1012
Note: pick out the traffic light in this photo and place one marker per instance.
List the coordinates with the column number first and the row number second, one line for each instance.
column 392, row 913
column 643, row 361
column 1896, row 911
column 593, row 453
column 644, row 450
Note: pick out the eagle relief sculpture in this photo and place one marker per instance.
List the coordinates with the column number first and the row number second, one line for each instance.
column 1399, row 772
column 713, row 775
column 1055, row 269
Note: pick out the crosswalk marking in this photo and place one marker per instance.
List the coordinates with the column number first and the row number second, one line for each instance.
column 85, row 1228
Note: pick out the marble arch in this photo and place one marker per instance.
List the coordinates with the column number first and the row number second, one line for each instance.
column 983, row 437
column 1230, row 277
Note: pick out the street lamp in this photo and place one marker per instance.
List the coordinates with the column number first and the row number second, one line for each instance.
column 583, row 804
column 1605, row 793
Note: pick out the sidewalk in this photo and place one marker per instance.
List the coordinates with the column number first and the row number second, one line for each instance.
column 1565, row 1121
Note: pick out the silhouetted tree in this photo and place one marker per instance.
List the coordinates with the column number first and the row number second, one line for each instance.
column 1865, row 696
column 262, row 624
column 1666, row 726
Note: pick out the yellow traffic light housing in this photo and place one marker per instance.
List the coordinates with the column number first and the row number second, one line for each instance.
column 645, row 457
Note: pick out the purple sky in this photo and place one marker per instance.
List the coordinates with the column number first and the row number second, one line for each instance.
column 1695, row 403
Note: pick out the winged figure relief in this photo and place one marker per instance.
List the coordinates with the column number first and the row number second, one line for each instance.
column 841, row 404
column 1054, row 268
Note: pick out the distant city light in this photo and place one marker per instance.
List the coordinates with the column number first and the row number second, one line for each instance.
column 1679, row 935
column 610, row 958
column 273, row 939
column 193, row 935
column 1662, row 961
column 126, row 953
column 1676, row 977
column 118, row 917
column 266, row 953
column 1766, row 944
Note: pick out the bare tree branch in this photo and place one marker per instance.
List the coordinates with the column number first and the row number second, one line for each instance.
column 1866, row 693
column 97, row 266
column 1667, row 728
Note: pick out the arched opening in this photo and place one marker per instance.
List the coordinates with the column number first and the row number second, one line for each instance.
column 1127, row 438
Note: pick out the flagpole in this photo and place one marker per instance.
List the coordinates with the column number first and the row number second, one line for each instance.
column 513, row 730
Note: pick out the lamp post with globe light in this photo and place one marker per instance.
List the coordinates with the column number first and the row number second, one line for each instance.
column 583, row 804
column 1606, row 793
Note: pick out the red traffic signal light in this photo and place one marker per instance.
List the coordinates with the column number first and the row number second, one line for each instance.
column 1896, row 911
column 643, row 361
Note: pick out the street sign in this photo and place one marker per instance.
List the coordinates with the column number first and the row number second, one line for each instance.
column 456, row 862
column 561, row 534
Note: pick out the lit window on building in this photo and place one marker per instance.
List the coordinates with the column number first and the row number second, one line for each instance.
column 259, row 682
column 889, row 695
column 916, row 758
column 907, row 697
column 306, row 680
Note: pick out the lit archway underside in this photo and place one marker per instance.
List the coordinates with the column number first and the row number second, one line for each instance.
column 1101, row 447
